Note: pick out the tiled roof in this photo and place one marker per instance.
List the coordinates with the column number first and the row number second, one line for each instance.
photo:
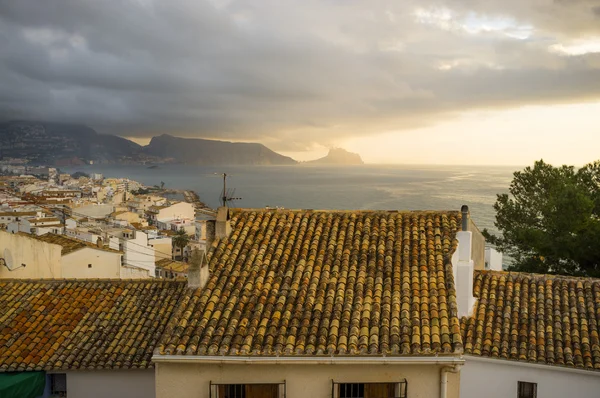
column 172, row 265
column 43, row 219
column 68, row 244
column 83, row 324
column 543, row 319
column 17, row 213
column 325, row 283
column 156, row 209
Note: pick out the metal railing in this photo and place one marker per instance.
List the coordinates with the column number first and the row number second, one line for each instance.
column 239, row 390
column 364, row 390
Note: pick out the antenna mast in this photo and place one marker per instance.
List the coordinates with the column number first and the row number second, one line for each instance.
column 224, row 197
column 227, row 195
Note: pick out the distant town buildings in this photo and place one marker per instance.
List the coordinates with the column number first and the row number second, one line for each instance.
column 103, row 217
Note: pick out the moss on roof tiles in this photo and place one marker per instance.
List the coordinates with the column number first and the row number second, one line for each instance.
column 544, row 319
column 83, row 324
column 325, row 283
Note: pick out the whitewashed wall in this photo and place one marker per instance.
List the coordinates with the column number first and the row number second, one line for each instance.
column 111, row 384
column 495, row 378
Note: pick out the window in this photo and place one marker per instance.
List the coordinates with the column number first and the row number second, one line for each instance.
column 348, row 390
column 527, row 390
column 250, row 390
column 370, row 390
column 58, row 385
column 89, row 265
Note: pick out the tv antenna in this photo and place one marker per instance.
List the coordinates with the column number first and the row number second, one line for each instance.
column 227, row 194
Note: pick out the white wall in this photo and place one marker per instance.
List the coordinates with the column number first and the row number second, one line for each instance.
column 496, row 378
column 104, row 264
column 111, row 384
column 181, row 211
column 94, row 210
column 41, row 259
column 137, row 253
column 189, row 380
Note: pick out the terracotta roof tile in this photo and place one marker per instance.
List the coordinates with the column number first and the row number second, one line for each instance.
column 544, row 319
column 68, row 244
column 77, row 324
column 325, row 283
column 172, row 265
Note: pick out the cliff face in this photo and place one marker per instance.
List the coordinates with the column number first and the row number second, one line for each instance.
column 339, row 156
column 208, row 152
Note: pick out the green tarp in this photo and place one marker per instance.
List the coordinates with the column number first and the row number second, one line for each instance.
column 22, row 385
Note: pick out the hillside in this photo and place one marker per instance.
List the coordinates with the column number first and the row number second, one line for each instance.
column 340, row 157
column 59, row 143
column 64, row 144
column 208, row 152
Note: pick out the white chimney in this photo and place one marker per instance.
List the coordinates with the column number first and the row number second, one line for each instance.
column 493, row 259
column 198, row 272
column 462, row 267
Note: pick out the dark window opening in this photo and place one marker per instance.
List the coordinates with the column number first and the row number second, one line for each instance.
column 527, row 390
column 89, row 265
column 352, row 390
column 234, row 391
column 58, row 385
column 249, row 390
column 370, row 390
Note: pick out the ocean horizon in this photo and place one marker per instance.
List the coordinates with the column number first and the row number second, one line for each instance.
column 365, row 187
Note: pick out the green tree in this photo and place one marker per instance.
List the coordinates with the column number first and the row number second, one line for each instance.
column 550, row 220
column 181, row 240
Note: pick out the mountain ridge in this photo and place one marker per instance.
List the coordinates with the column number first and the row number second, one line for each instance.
column 207, row 152
column 64, row 144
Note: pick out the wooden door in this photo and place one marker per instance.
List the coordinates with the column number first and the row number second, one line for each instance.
column 380, row 390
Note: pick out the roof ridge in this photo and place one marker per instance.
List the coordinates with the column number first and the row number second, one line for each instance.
column 86, row 280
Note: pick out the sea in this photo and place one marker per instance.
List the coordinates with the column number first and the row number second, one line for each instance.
column 374, row 187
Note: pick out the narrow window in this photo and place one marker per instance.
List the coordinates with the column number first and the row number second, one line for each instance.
column 89, row 265
column 58, row 385
column 527, row 390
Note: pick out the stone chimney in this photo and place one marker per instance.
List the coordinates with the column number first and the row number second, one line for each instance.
column 463, row 266
column 210, row 233
column 198, row 272
column 223, row 226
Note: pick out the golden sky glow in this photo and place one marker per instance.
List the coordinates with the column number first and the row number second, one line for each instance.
column 560, row 134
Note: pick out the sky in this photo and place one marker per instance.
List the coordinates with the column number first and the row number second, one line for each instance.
column 428, row 81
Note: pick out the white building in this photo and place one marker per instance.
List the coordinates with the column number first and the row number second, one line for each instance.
column 138, row 256
column 532, row 335
column 53, row 256
column 175, row 211
column 37, row 226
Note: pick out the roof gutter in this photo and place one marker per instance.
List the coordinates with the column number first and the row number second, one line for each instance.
column 521, row 364
column 222, row 360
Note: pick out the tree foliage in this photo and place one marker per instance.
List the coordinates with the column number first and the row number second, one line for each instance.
column 550, row 220
column 181, row 239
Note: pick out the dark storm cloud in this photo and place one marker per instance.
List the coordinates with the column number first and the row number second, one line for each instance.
column 283, row 72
